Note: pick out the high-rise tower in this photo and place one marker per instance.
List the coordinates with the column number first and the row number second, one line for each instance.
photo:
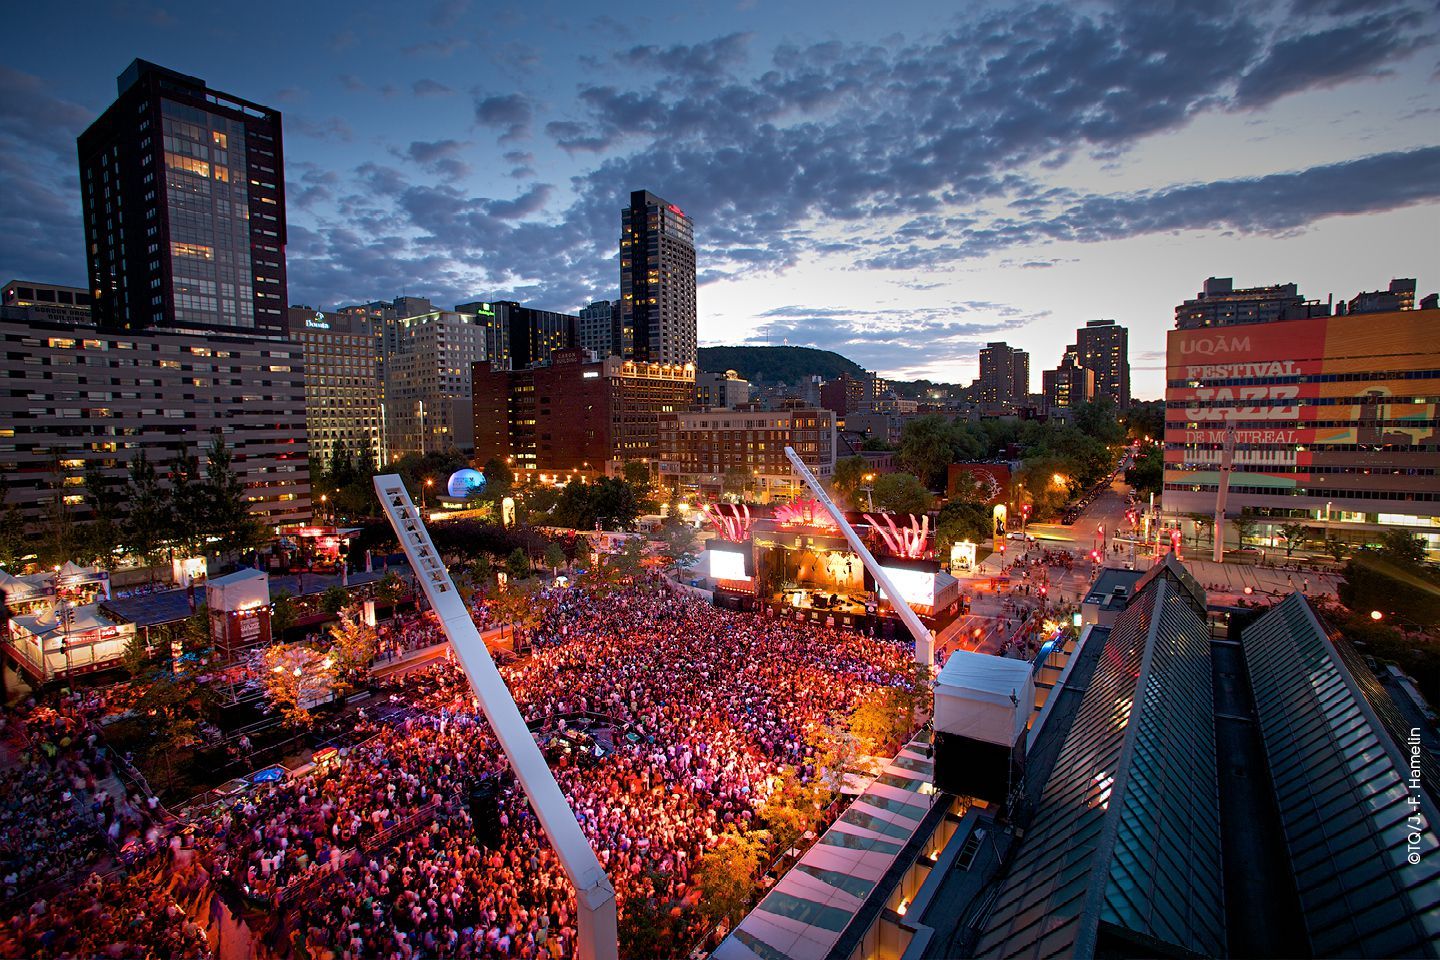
column 183, row 196
column 657, row 282
column 1104, row 347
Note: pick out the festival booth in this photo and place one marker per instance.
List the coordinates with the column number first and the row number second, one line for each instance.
column 239, row 605
column 322, row 548
column 983, row 706
column 28, row 594
column 65, row 640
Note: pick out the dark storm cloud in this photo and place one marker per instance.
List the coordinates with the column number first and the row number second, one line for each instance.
column 1361, row 48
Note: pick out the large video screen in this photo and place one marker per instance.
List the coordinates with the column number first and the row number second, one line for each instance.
column 915, row 586
column 727, row 565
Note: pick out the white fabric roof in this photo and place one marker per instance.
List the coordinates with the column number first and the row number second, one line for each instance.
column 239, row 589
column 87, row 618
column 984, row 697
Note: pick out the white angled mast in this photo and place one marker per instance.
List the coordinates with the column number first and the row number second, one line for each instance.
column 902, row 607
column 596, row 920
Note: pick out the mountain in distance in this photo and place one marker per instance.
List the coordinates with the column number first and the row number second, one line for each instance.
column 777, row 364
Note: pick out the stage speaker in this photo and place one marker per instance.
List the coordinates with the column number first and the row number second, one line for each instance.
column 485, row 813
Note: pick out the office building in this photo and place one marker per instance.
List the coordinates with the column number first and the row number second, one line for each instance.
column 703, row 447
column 183, row 201
column 1069, row 384
column 426, row 379
column 517, row 336
column 28, row 300
column 1336, row 420
column 573, row 415
column 79, row 394
column 721, row 390
column 657, row 282
column 598, row 328
column 1399, row 296
column 1219, row 304
column 847, row 394
column 344, row 394
column 1103, row 346
column 1004, row 375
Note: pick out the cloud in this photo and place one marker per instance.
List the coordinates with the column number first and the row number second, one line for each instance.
column 447, row 13
column 512, row 112
column 425, row 87
column 440, row 49
column 709, row 59
column 326, row 128
column 1324, row 58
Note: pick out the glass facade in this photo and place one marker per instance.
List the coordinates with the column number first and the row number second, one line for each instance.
column 1359, row 823
column 208, row 206
column 1125, row 843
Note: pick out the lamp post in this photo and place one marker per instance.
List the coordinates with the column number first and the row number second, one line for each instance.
column 869, row 490
column 429, row 482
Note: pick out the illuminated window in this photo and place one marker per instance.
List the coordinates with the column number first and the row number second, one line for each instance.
column 195, row 250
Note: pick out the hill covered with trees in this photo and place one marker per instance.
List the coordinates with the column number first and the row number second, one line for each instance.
column 777, row 364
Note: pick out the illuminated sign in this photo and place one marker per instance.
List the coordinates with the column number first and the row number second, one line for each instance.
column 590, row 374
column 727, row 565
column 916, row 587
column 318, row 321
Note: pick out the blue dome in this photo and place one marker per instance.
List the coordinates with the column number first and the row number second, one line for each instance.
column 464, row 482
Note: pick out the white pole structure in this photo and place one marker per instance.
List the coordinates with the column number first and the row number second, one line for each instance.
column 1222, row 491
column 912, row 622
column 598, row 935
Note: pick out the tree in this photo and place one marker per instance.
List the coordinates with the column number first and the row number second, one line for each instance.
column 1201, row 522
column 726, row 876
column 334, row 598
column 792, row 807
column 1373, row 581
column 147, row 517
column 1402, row 548
column 517, row 565
column 297, row 677
column 880, row 718
column 1244, row 528
column 187, row 520
column 959, row 521
column 629, row 560
column 679, row 541
column 390, row 588
column 902, row 493
column 1098, row 419
column 353, row 645
column 637, row 475
column 925, row 448
column 1296, row 536
column 1146, row 472
column 283, row 613
column 848, row 478
column 102, row 535
column 735, row 482
column 227, row 514
column 1336, row 548
column 135, row 657
column 554, row 558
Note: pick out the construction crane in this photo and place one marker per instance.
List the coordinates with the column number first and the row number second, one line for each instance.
column 1222, row 489
column 923, row 640
column 597, row 934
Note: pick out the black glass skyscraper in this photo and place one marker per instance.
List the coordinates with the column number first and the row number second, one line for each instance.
column 657, row 282
column 183, row 194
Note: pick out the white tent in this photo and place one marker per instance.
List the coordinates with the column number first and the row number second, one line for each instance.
column 241, row 590
column 984, row 698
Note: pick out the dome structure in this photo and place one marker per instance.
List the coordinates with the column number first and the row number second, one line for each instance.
column 464, row 483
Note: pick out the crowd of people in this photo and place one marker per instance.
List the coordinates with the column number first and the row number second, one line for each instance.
column 377, row 855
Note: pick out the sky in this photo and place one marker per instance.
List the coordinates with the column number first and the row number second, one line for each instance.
column 900, row 182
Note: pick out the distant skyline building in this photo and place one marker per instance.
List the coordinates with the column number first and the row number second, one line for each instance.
column 1219, row 304
column 701, row 448
column 726, row 389
column 427, row 382
column 183, row 201
column 517, row 336
column 344, row 392
column 598, row 328
column 1103, row 346
column 575, row 416
column 657, row 282
column 27, row 299
column 1004, row 375
column 1069, row 384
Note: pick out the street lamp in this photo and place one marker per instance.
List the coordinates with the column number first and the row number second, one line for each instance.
column 429, row 482
column 323, row 498
column 869, row 489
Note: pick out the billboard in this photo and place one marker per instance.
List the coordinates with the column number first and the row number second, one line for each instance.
column 917, row 587
column 729, row 561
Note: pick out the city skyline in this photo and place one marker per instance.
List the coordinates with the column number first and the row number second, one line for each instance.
column 880, row 190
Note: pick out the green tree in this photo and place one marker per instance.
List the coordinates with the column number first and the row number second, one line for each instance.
column 1146, row 472
column 102, row 535
column 848, row 478
column 283, row 613
column 227, row 513
column 1244, row 528
column 1336, row 548
column 792, row 807
column 147, row 516
column 1099, row 419
column 902, row 493
column 353, row 645
column 296, row 677
column 959, row 521
column 880, row 718
column 679, row 541
column 187, row 519
column 334, row 598
column 390, row 588
column 1296, row 536
column 925, row 449
column 1374, row 581
column 1402, row 548
column 517, row 565
column 59, row 537
column 629, row 560
column 637, row 475
column 554, row 557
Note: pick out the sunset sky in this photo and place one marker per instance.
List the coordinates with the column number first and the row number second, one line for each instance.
column 898, row 182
